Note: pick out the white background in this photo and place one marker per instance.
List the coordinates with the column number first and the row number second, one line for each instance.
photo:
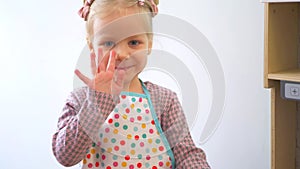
column 40, row 42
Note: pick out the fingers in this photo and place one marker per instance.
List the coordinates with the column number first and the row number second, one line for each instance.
column 103, row 62
column 93, row 63
column 111, row 61
column 120, row 75
column 100, row 58
column 108, row 62
column 82, row 77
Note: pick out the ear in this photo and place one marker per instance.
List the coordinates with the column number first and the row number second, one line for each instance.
column 90, row 44
column 150, row 42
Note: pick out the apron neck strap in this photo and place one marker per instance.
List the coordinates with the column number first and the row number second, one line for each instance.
column 144, row 88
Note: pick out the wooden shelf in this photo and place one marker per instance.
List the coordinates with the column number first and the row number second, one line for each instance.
column 281, row 62
column 271, row 1
column 289, row 75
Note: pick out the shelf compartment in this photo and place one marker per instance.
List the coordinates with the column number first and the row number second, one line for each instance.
column 289, row 75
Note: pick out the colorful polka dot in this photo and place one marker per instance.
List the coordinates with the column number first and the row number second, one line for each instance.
column 139, row 118
column 151, row 131
column 160, row 157
column 122, row 142
column 144, row 135
column 116, row 148
column 142, row 144
column 139, row 165
column 157, row 141
column 132, row 145
column 88, row 156
column 147, row 111
column 125, row 127
column 133, row 99
column 93, row 151
column 154, row 150
column 124, row 164
column 140, row 156
column 132, row 106
column 152, row 122
column 117, row 124
column 132, row 152
column 109, row 150
column 110, row 121
column 124, row 116
column 113, row 140
column 127, row 157
column 116, row 131
column 135, row 128
column 90, row 165
column 129, row 136
column 123, row 153
column 148, row 157
column 138, row 110
column 97, row 155
column 123, row 96
column 131, row 166
column 84, row 161
column 160, row 163
column 105, row 140
column 143, row 125
column 107, row 130
column 131, row 119
column 136, row 137
column 161, row 148
column 150, row 140
column 115, row 157
column 154, row 167
column 147, row 165
column 140, row 99
column 117, row 116
column 115, row 164
column 103, row 157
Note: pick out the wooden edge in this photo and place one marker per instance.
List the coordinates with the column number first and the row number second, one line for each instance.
column 266, row 44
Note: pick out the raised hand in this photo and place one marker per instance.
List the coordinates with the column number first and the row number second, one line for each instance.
column 105, row 79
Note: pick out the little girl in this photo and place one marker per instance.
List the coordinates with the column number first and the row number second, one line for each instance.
column 119, row 121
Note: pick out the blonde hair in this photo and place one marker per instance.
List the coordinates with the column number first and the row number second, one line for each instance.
column 103, row 8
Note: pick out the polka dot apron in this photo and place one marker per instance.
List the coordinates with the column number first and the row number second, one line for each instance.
column 131, row 137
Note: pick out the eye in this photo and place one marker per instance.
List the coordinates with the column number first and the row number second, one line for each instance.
column 134, row 43
column 109, row 44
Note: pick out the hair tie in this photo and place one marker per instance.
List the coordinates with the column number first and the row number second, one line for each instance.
column 85, row 10
column 154, row 8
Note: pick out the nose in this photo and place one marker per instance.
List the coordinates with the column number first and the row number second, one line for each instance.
column 122, row 51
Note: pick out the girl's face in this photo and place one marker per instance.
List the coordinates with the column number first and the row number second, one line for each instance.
column 127, row 33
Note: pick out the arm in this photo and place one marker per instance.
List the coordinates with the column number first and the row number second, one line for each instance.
column 177, row 132
column 83, row 113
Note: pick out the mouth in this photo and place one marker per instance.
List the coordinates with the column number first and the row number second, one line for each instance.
column 123, row 67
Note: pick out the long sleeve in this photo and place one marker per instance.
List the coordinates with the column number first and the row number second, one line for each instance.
column 84, row 112
column 175, row 126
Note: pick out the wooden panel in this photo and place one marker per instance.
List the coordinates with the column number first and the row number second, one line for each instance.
column 283, row 132
column 290, row 75
column 281, row 38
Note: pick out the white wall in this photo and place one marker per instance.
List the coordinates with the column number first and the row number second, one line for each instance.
column 39, row 47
